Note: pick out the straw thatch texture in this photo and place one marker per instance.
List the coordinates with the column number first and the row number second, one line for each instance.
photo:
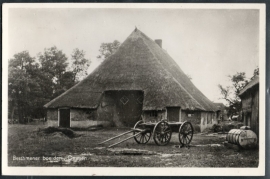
column 138, row 64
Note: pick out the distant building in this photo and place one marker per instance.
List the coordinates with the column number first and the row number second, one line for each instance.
column 222, row 112
column 250, row 104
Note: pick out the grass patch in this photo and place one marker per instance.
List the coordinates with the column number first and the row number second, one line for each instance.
column 41, row 141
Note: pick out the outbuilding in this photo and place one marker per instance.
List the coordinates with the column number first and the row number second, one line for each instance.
column 250, row 104
column 222, row 112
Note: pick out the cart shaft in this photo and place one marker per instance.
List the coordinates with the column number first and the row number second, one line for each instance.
column 116, row 137
column 125, row 139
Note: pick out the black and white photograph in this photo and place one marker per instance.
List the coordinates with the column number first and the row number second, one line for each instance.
column 133, row 89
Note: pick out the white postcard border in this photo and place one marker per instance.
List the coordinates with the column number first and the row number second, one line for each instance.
column 124, row 171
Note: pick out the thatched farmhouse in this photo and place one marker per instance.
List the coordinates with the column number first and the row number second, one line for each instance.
column 250, row 104
column 139, row 79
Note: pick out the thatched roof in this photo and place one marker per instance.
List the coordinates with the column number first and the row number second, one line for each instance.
column 250, row 85
column 220, row 106
column 138, row 64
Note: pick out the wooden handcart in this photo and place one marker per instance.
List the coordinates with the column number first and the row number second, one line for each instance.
column 161, row 132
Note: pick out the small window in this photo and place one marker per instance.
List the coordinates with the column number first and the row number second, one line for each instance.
column 153, row 113
column 190, row 115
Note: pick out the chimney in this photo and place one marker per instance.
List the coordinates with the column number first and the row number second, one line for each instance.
column 159, row 42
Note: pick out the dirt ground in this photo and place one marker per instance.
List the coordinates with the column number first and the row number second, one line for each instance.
column 27, row 146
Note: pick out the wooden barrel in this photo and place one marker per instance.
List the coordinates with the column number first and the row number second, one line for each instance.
column 244, row 138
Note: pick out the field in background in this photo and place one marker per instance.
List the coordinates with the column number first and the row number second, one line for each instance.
column 58, row 149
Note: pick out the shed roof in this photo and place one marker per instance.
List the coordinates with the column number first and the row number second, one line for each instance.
column 138, row 64
column 220, row 106
column 250, row 85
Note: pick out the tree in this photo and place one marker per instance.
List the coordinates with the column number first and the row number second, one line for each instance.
column 21, row 83
column 39, row 96
column 231, row 93
column 255, row 72
column 107, row 49
column 32, row 84
column 53, row 61
column 80, row 64
column 53, row 66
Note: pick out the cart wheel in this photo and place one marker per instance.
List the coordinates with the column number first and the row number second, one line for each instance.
column 185, row 133
column 144, row 137
column 162, row 133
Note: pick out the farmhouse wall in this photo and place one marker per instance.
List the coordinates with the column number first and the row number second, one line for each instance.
column 79, row 118
column 208, row 119
column 83, row 118
column 154, row 116
column 191, row 116
column 194, row 117
column 52, row 117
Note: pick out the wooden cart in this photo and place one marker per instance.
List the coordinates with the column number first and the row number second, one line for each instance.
column 161, row 132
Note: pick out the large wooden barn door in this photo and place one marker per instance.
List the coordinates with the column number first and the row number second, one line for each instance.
column 173, row 114
column 64, row 117
column 128, row 106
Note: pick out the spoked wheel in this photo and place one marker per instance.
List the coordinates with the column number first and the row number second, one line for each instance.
column 144, row 137
column 185, row 133
column 162, row 133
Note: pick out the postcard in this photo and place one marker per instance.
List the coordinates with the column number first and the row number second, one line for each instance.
column 133, row 89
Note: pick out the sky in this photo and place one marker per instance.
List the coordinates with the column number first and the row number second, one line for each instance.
column 207, row 44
